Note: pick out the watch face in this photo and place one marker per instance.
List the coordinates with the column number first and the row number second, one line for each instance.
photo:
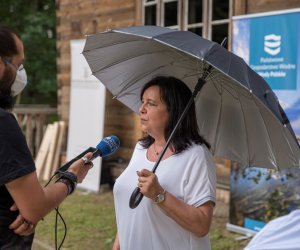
column 160, row 198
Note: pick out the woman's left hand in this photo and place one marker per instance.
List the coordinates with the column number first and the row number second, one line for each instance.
column 148, row 184
column 20, row 225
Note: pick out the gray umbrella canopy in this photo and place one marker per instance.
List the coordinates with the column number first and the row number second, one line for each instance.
column 237, row 112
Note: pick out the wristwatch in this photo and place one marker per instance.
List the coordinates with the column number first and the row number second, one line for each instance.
column 160, row 197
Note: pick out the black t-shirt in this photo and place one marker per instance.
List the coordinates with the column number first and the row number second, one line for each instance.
column 15, row 161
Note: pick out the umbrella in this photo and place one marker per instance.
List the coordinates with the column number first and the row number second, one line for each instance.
column 237, row 112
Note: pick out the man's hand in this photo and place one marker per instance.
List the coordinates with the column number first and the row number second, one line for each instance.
column 21, row 226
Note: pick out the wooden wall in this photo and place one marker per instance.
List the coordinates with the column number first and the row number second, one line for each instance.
column 75, row 19
column 241, row 7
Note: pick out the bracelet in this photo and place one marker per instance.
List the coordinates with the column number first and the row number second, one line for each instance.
column 68, row 184
column 70, row 180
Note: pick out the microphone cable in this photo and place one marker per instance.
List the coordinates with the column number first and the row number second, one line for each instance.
column 55, row 229
column 57, row 213
column 106, row 147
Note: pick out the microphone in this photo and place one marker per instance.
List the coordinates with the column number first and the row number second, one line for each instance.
column 107, row 146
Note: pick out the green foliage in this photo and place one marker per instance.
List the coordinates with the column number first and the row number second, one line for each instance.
column 276, row 205
column 35, row 22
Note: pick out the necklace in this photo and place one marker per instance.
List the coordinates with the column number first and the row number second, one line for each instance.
column 157, row 153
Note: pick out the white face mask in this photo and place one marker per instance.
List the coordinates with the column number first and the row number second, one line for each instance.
column 19, row 83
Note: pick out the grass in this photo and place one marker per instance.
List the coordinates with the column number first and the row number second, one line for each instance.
column 91, row 224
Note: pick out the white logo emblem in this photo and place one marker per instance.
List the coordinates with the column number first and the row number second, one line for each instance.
column 272, row 44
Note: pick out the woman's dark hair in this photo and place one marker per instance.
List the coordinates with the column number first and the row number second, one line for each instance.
column 175, row 94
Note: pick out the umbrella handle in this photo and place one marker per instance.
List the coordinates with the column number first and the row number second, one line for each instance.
column 135, row 198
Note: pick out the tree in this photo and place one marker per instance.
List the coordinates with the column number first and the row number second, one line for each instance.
column 35, row 21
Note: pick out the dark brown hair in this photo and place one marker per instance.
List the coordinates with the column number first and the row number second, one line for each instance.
column 176, row 95
column 8, row 48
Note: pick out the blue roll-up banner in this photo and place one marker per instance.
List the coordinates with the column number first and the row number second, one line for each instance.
column 270, row 44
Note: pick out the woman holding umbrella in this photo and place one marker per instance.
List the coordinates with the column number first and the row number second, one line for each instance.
column 180, row 196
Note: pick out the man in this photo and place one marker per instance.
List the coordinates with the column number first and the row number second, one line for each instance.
column 23, row 201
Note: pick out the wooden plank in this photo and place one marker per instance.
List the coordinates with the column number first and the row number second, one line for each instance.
column 28, row 133
column 256, row 6
column 50, row 155
column 58, row 147
column 43, row 151
column 239, row 7
column 40, row 121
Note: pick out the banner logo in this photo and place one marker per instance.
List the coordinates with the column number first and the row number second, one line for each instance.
column 272, row 44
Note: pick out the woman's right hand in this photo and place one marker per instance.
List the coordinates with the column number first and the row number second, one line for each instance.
column 80, row 168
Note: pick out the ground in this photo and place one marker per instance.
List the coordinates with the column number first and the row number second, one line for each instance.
column 91, row 225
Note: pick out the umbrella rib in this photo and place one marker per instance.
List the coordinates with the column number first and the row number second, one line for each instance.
column 134, row 57
column 287, row 141
column 247, row 141
column 289, row 144
column 229, row 87
column 177, row 49
column 126, row 85
column 270, row 142
column 126, row 59
column 218, row 123
column 160, row 43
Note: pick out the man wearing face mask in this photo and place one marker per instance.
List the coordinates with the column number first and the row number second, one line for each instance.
column 23, row 201
column 20, row 81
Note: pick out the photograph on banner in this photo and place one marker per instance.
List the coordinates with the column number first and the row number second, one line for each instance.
column 258, row 195
column 270, row 44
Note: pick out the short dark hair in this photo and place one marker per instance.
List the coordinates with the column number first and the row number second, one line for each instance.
column 8, row 47
column 176, row 95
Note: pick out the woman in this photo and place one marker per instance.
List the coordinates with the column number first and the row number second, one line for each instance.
column 177, row 209
column 23, row 201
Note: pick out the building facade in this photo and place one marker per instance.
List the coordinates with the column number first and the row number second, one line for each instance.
column 76, row 18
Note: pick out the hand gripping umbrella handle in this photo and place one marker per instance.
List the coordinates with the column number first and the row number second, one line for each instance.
column 135, row 198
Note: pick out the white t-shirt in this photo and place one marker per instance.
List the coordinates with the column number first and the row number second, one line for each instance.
column 189, row 176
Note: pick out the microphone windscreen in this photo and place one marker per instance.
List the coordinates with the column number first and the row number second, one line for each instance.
column 108, row 145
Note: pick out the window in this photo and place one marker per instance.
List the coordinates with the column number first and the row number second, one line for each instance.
column 193, row 17
column 169, row 14
column 207, row 18
column 150, row 12
column 165, row 13
column 218, row 20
